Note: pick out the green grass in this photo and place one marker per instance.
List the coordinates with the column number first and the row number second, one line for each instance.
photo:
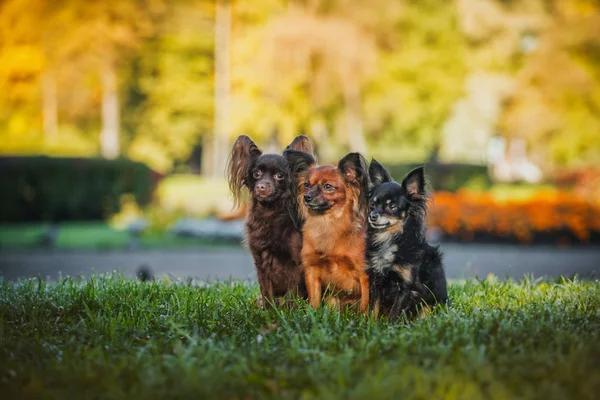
column 122, row 339
column 90, row 235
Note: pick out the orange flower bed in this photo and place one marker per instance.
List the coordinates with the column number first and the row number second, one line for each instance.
column 465, row 214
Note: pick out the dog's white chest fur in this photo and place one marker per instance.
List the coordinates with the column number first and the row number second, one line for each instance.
column 384, row 257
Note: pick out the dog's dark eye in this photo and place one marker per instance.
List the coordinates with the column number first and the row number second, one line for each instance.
column 278, row 176
column 306, row 185
column 393, row 207
column 328, row 186
column 257, row 174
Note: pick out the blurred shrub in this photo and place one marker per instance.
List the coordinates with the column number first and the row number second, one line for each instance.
column 583, row 181
column 447, row 177
column 194, row 195
column 549, row 216
column 57, row 189
column 129, row 213
column 160, row 220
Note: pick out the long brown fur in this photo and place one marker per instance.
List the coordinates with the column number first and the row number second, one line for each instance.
column 244, row 152
column 273, row 223
column 334, row 238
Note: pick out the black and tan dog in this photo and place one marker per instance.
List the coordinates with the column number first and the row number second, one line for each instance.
column 405, row 272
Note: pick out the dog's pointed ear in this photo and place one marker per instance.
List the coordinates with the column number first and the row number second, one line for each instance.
column 302, row 143
column 414, row 183
column 353, row 168
column 243, row 154
column 299, row 161
column 378, row 174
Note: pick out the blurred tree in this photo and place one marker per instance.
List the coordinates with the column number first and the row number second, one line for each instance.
column 382, row 75
column 307, row 66
column 68, row 37
column 172, row 101
column 21, row 63
column 107, row 34
column 557, row 108
column 217, row 158
column 423, row 64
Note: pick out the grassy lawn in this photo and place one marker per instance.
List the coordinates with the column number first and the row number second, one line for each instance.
column 121, row 339
column 90, row 235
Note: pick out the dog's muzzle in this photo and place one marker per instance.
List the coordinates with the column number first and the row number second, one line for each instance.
column 376, row 222
column 373, row 216
column 309, row 201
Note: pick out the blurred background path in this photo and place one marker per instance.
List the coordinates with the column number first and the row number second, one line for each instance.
column 462, row 261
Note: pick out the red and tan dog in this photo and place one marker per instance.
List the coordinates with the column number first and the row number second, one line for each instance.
column 333, row 249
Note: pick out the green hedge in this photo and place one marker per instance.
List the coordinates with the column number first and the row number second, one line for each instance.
column 59, row 189
column 447, row 177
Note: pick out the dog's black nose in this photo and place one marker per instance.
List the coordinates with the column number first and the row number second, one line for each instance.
column 373, row 216
column 308, row 197
column 261, row 186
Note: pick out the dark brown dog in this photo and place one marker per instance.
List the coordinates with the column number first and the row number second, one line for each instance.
column 334, row 231
column 273, row 222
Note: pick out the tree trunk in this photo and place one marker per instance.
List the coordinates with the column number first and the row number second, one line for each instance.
column 354, row 125
column 109, row 137
column 206, row 169
column 49, row 106
column 222, row 88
